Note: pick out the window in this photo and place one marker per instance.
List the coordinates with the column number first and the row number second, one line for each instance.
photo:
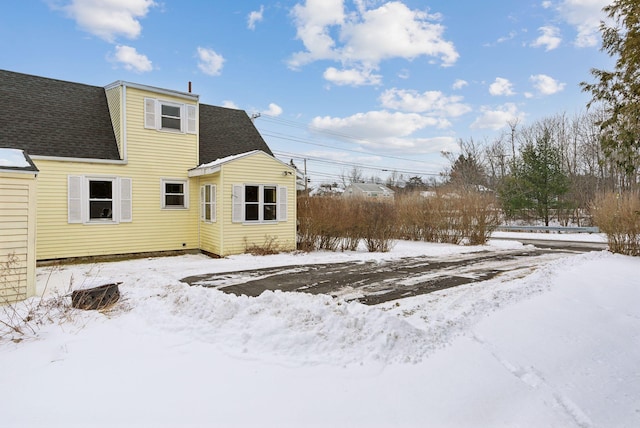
column 98, row 199
column 259, row 203
column 208, row 203
column 269, row 209
column 174, row 194
column 101, row 199
column 169, row 116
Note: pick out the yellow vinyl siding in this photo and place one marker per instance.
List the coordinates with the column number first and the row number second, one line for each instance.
column 211, row 232
column 17, row 236
column 151, row 156
column 258, row 168
column 115, row 102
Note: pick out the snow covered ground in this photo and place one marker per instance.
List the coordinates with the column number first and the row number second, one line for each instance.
column 554, row 347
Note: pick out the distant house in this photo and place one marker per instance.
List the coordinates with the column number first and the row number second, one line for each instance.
column 129, row 168
column 368, row 190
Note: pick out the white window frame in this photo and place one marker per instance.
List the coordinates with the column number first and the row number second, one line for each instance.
column 79, row 202
column 153, row 116
column 110, row 217
column 208, row 207
column 239, row 208
column 179, row 117
column 163, row 191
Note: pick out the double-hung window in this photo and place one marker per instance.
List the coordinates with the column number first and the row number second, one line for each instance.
column 98, row 199
column 169, row 116
column 259, row 203
column 175, row 193
column 101, row 199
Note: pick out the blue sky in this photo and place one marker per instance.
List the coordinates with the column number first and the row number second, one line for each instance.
column 384, row 85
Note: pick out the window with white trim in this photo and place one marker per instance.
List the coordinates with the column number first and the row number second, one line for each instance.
column 95, row 199
column 169, row 116
column 208, row 203
column 175, row 193
column 259, row 203
column 101, row 199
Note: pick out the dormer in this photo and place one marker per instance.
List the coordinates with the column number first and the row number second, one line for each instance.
column 137, row 109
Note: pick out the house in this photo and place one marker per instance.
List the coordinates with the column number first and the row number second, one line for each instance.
column 368, row 190
column 17, row 225
column 134, row 169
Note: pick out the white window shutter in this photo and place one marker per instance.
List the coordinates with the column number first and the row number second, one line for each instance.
column 203, row 205
column 191, row 119
column 238, row 203
column 74, row 199
column 213, row 202
column 282, row 203
column 126, row 208
column 150, row 113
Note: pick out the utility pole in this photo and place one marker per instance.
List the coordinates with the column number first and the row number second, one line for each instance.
column 305, row 176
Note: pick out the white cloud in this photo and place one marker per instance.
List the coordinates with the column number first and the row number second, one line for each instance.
column 274, row 110
column 376, row 125
column 434, row 102
column 362, row 39
column 459, row 84
column 313, row 22
column 108, row 19
column 210, row 62
column 585, row 16
column 549, row 39
column 230, row 104
column 352, row 76
column 255, row 16
column 546, row 85
column 130, row 59
column 386, row 130
column 497, row 118
column 501, row 86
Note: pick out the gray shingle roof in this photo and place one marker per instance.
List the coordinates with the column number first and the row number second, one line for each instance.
column 225, row 132
column 49, row 117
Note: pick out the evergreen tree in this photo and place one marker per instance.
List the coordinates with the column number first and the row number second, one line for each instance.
column 538, row 180
column 619, row 90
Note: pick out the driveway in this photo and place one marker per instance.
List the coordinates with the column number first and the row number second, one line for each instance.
column 377, row 282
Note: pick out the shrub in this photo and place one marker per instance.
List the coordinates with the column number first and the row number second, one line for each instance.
column 480, row 216
column 19, row 319
column 269, row 246
column 378, row 224
column 618, row 216
column 335, row 223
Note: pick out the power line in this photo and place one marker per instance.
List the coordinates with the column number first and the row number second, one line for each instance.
column 352, row 164
column 342, row 136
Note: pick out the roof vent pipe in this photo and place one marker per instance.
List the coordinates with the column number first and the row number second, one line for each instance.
column 189, row 86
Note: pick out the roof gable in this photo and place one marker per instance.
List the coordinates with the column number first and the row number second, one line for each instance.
column 215, row 165
column 371, row 187
column 49, row 117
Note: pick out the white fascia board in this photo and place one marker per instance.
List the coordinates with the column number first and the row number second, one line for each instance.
column 199, row 171
column 83, row 160
column 169, row 92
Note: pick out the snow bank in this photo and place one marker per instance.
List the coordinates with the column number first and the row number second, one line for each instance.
column 556, row 346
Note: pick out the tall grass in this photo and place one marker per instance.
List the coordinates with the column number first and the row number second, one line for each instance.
column 618, row 216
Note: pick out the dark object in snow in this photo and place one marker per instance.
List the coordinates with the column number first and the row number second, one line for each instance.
column 96, row 297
